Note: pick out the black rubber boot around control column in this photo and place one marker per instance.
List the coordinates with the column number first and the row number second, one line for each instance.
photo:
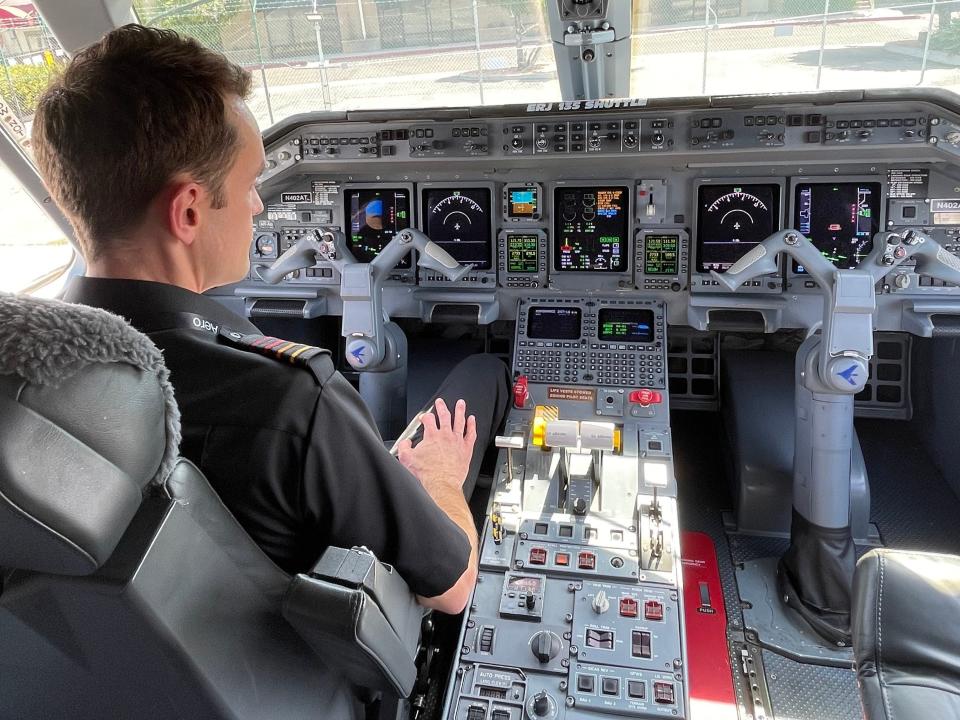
column 815, row 577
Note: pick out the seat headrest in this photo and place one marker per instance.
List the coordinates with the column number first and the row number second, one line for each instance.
column 87, row 421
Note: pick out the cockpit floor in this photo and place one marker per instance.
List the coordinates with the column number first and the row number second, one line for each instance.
column 923, row 519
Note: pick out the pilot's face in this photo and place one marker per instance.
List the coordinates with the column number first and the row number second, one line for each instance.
column 227, row 235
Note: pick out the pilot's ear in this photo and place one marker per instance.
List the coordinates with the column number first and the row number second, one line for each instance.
column 183, row 208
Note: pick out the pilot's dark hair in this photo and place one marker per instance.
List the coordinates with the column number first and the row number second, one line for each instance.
column 128, row 114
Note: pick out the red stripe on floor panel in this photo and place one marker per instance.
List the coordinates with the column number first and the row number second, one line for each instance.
column 708, row 660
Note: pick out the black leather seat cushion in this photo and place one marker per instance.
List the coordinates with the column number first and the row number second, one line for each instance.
column 906, row 635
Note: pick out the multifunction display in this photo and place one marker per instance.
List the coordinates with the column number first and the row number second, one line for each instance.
column 522, row 251
column 661, row 255
column 554, row 323
column 376, row 215
column 458, row 220
column 523, row 203
column 732, row 220
column 591, row 228
column 625, row 325
column 840, row 218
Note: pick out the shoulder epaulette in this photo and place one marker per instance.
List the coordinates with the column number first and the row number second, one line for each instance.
column 317, row 360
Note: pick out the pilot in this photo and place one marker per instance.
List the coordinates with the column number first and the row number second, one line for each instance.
column 146, row 144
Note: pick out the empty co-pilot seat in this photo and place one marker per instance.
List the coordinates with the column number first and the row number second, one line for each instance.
column 128, row 590
column 906, row 634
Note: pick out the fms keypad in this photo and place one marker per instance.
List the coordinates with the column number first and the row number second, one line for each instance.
column 591, row 341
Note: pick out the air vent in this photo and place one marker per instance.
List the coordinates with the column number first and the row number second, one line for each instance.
column 692, row 365
column 887, row 392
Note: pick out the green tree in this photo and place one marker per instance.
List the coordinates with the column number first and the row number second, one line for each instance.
column 29, row 82
column 200, row 19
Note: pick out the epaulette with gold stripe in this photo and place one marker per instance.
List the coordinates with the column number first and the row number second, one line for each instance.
column 316, row 360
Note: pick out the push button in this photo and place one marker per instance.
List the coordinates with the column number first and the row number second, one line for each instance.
column 645, row 397
column 653, row 610
column 538, row 556
column 586, row 683
column 637, row 689
column 610, row 686
column 663, row 693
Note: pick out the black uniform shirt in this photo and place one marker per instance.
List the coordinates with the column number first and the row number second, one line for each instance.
column 300, row 466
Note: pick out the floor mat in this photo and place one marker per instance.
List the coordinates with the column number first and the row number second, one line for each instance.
column 800, row 690
column 711, row 682
column 911, row 503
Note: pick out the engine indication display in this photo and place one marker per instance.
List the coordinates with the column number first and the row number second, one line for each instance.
column 839, row 218
column 625, row 325
column 591, row 228
column 522, row 249
column 458, row 220
column 553, row 323
column 661, row 254
column 376, row 215
column 732, row 220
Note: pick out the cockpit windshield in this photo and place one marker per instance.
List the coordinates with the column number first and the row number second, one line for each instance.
column 309, row 55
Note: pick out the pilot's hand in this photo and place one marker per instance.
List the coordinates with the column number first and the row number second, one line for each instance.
column 442, row 458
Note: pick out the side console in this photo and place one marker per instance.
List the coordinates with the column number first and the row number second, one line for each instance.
column 577, row 612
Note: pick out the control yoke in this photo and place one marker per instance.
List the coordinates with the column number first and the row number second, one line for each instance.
column 849, row 295
column 815, row 575
column 365, row 324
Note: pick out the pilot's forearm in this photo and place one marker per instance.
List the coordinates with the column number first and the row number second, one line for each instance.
column 450, row 499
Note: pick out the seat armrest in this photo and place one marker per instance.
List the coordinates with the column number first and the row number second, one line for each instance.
column 360, row 617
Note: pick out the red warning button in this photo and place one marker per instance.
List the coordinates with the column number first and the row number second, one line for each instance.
column 646, row 397
column 628, row 606
column 538, row 556
column 587, row 561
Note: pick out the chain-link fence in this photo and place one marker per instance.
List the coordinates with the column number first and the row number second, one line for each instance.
column 310, row 55
column 843, row 46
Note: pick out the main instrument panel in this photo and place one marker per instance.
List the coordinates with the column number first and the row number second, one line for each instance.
column 617, row 196
column 594, row 227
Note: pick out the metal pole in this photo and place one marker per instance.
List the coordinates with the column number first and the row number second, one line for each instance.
column 706, row 44
column 363, row 23
column 263, row 71
column 321, row 60
column 926, row 43
column 823, row 40
column 476, row 35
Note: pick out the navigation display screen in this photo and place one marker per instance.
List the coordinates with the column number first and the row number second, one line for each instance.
column 523, row 203
column 840, row 218
column 625, row 325
column 376, row 215
column 732, row 220
column 553, row 323
column 459, row 222
column 661, row 255
column 522, row 249
column 591, row 228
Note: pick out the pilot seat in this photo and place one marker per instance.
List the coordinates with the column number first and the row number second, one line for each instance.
column 127, row 589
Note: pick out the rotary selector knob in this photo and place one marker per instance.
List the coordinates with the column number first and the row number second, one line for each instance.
column 541, row 704
column 902, row 281
column 579, row 506
column 545, row 646
column 600, row 603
